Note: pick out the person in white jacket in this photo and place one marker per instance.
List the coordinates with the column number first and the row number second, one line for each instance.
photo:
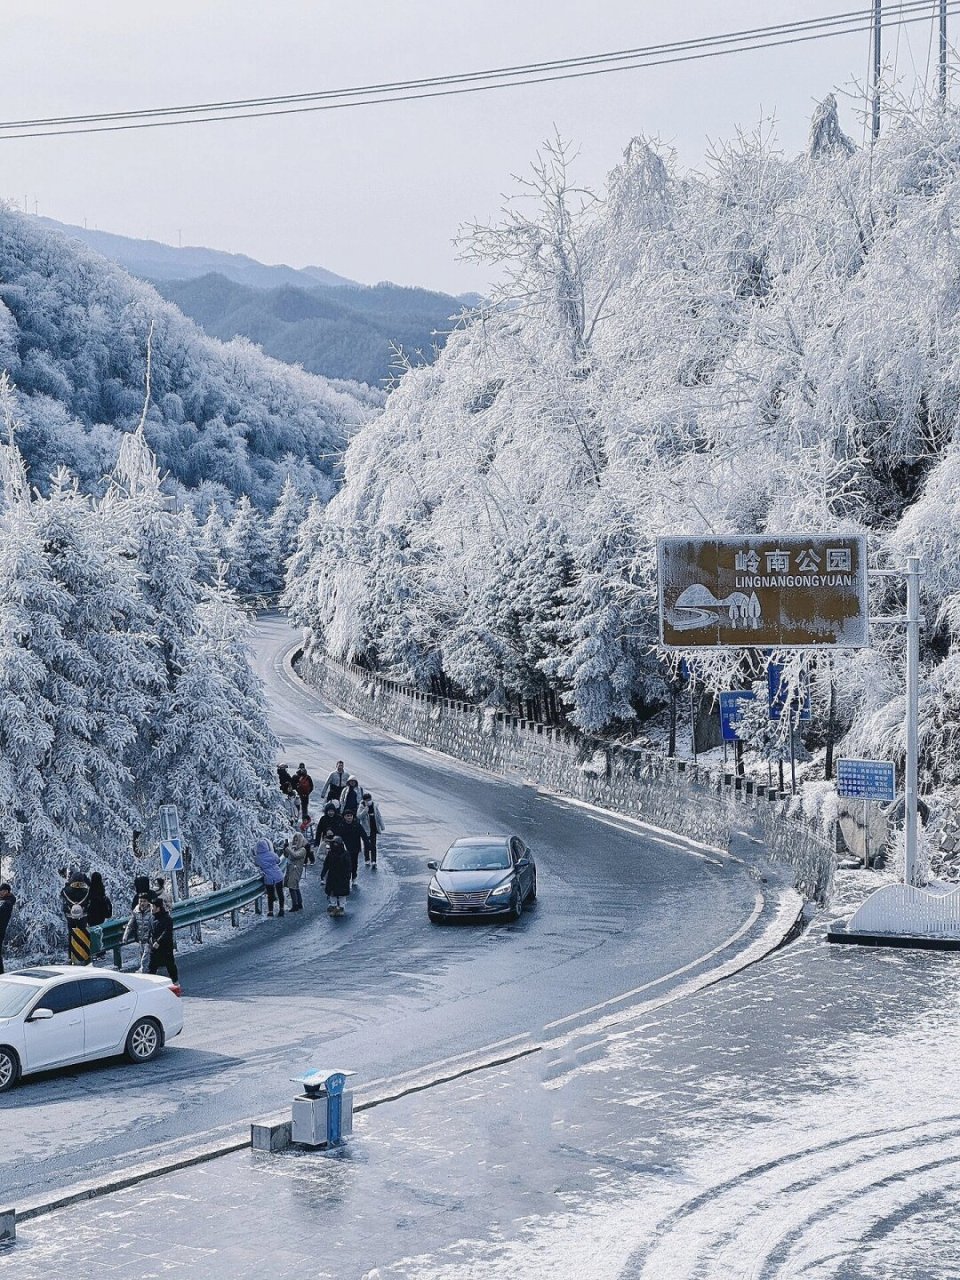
column 371, row 819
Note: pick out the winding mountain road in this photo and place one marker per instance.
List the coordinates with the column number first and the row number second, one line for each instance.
column 623, row 912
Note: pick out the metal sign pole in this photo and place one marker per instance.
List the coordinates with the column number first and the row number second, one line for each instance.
column 912, row 719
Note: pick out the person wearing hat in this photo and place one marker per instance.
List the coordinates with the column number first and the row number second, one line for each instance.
column 7, row 902
column 139, row 929
column 266, row 859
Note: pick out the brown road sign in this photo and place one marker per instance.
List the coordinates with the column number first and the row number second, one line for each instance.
column 764, row 592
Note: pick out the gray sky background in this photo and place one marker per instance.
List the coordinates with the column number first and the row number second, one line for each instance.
column 378, row 192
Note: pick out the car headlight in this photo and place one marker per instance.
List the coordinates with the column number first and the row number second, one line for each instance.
column 502, row 890
column 434, row 890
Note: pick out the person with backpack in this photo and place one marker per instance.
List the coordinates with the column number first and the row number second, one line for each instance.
column 266, row 859
column 336, row 875
column 304, row 785
column 371, row 820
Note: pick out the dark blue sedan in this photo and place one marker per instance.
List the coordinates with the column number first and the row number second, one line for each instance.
column 482, row 876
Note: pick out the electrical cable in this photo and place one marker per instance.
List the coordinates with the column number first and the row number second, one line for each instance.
column 758, row 38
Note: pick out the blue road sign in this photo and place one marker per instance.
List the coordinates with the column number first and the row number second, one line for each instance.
column 777, row 693
column 866, row 779
column 171, row 854
column 730, row 704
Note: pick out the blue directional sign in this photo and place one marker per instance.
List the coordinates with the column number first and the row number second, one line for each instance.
column 730, row 704
column 777, row 694
column 171, row 854
column 866, row 779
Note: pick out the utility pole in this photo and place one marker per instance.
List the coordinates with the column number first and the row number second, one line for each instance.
column 876, row 68
column 943, row 53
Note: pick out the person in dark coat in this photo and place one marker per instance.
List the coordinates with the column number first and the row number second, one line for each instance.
column 161, row 941
column 284, row 777
column 328, row 824
column 336, row 875
column 354, row 837
column 141, row 885
column 99, row 906
column 7, row 902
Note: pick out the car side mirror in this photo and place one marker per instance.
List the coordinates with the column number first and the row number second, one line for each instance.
column 40, row 1015
column 433, row 865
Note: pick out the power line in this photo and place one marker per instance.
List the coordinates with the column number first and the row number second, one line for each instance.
column 851, row 22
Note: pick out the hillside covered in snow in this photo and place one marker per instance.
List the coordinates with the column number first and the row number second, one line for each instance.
column 767, row 346
column 224, row 419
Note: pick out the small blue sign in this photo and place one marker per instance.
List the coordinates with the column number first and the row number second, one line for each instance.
column 777, row 694
column 730, row 705
column 171, row 855
column 866, row 779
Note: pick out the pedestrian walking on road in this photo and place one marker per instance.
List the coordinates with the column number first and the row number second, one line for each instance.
column 291, row 805
column 139, row 929
column 336, row 875
column 353, row 836
column 334, row 784
column 304, row 785
column 8, row 901
column 371, row 820
column 352, row 797
column 161, row 941
column 295, row 863
column 328, row 824
column 266, row 859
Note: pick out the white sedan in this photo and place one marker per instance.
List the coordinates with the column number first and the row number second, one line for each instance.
column 54, row 1015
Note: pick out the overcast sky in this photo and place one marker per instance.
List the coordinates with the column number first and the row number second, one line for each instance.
column 378, row 192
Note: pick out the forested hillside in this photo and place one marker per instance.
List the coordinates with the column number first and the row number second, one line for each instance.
column 771, row 345
column 339, row 332
column 224, row 420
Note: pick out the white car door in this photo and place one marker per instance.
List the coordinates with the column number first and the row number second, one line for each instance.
column 108, row 1009
column 47, row 1042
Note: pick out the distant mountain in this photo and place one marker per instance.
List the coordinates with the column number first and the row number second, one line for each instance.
column 152, row 260
column 307, row 316
column 337, row 332
column 223, row 421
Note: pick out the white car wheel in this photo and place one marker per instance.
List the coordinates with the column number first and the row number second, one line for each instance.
column 9, row 1068
column 144, row 1041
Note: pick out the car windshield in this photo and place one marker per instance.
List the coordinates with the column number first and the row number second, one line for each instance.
column 477, row 857
column 14, row 996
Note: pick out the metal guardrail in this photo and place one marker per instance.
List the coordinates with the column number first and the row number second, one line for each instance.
column 191, row 911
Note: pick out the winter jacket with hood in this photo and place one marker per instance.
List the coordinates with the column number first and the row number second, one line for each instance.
column 363, row 816
column 6, row 911
column 268, row 862
column 295, row 860
column 139, row 927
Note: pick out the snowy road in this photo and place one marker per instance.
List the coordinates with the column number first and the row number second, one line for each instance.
column 383, row 991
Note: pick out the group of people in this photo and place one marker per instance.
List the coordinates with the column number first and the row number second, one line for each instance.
column 350, row 823
column 150, row 925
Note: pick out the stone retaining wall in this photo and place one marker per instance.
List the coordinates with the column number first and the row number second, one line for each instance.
column 674, row 794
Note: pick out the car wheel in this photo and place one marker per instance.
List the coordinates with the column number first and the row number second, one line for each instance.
column 9, row 1068
column 516, row 909
column 144, row 1040
column 533, row 889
